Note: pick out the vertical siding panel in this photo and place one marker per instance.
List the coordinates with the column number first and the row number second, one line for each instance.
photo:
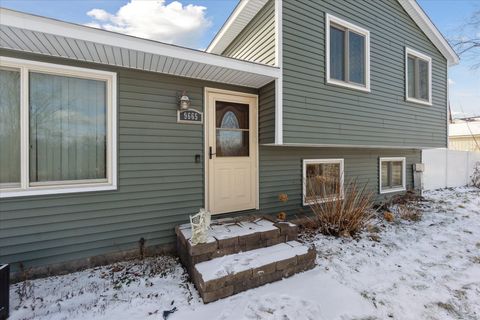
column 256, row 42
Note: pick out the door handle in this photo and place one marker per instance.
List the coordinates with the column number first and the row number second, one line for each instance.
column 211, row 153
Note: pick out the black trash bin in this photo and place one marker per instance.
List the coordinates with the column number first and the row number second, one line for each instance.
column 4, row 291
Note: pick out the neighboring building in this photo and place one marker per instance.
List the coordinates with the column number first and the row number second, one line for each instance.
column 464, row 134
column 93, row 157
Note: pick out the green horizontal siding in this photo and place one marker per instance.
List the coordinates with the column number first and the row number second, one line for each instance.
column 159, row 183
column 266, row 114
column 281, row 172
column 256, row 42
column 317, row 113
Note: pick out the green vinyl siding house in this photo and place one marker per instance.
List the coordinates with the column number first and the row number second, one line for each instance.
column 97, row 153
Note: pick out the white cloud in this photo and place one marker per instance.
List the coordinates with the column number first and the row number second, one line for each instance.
column 171, row 23
column 99, row 14
column 450, row 81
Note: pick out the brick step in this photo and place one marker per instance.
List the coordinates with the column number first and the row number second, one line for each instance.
column 229, row 237
column 231, row 274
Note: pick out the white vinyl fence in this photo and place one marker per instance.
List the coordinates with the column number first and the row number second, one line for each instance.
column 447, row 168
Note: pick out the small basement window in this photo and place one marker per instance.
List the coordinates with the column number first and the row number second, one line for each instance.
column 58, row 129
column 322, row 180
column 392, row 174
column 347, row 54
column 418, row 69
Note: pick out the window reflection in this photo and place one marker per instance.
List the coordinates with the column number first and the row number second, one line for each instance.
column 67, row 128
column 232, row 135
column 230, row 121
column 322, row 180
column 392, row 174
column 9, row 127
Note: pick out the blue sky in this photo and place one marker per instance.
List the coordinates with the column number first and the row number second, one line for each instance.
column 209, row 15
column 449, row 16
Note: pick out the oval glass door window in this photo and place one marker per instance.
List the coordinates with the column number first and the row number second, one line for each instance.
column 232, row 129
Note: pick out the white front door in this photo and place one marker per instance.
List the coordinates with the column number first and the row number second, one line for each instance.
column 231, row 151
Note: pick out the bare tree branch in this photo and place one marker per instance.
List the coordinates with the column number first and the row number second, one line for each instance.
column 467, row 43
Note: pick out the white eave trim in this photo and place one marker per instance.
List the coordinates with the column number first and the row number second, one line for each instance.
column 353, row 146
column 431, row 31
column 70, row 30
column 238, row 20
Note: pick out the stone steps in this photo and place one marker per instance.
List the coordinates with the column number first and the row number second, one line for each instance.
column 241, row 241
column 232, row 237
column 228, row 275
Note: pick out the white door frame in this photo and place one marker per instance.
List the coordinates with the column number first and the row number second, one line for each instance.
column 206, row 151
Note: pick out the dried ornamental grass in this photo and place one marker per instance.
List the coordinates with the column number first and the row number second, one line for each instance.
column 390, row 217
column 283, row 197
column 409, row 212
column 340, row 212
column 282, row 216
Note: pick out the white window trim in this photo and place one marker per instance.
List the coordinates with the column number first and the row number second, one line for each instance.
column 404, row 174
column 422, row 56
column 321, row 161
column 31, row 189
column 329, row 19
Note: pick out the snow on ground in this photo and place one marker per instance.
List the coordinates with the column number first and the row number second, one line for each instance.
column 428, row 269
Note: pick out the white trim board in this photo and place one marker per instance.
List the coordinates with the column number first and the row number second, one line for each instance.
column 363, row 146
column 279, row 80
column 26, row 187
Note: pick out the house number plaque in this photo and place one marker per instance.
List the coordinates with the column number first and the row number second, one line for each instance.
column 189, row 116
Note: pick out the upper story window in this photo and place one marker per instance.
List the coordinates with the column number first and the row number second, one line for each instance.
column 348, row 54
column 418, row 69
column 57, row 129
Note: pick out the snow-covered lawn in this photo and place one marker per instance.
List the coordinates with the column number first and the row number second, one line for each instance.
column 411, row 270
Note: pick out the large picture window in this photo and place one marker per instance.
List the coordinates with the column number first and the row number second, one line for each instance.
column 9, row 127
column 322, row 180
column 392, row 174
column 418, row 70
column 347, row 54
column 57, row 129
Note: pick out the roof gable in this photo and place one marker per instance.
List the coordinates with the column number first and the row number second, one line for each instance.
column 430, row 30
column 241, row 16
column 247, row 9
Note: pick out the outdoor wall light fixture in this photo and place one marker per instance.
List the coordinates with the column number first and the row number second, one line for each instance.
column 186, row 114
column 184, row 103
